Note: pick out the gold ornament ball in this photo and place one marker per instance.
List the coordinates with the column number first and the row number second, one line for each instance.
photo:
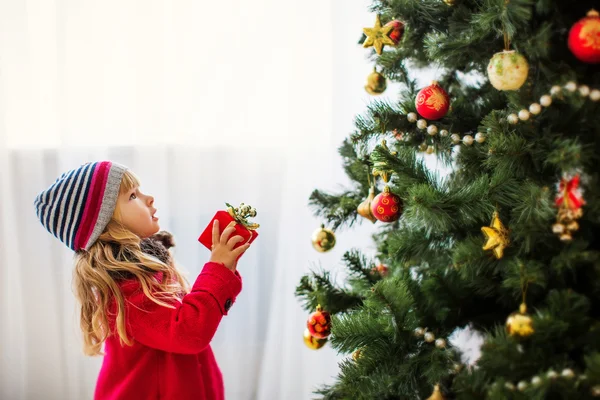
column 595, row 390
column 437, row 394
column 450, row 2
column 376, row 83
column 364, row 208
column 323, row 239
column 312, row 342
column 356, row 354
column 419, row 332
column 520, row 324
column 508, row 70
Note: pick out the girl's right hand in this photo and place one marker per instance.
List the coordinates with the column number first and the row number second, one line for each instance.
column 223, row 247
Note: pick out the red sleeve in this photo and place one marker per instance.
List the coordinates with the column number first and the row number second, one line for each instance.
column 190, row 326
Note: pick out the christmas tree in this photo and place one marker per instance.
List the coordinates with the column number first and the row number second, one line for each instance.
column 507, row 245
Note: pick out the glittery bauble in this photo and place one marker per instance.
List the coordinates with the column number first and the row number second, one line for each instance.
column 397, row 30
column 432, row 102
column 319, row 323
column 508, row 70
column 312, row 342
column 584, row 38
column 356, row 354
column 376, row 83
column 323, row 239
column 386, row 206
column 520, row 324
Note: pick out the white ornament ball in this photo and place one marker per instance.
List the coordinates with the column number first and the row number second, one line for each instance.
column 419, row 332
column 468, row 140
column 522, row 386
column 421, row 124
column 546, row 100
column 535, row 108
column 551, row 374
column 411, row 117
column 513, row 119
column 536, row 381
column 432, row 130
column 440, row 343
column 455, row 138
column 509, row 386
column 595, row 95
column 596, row 391
column 568, row 373
column 571, row 86
column 524, row 115
column 444, row 133
column 584, row 90
column 508, row 70
column 479, row 137
column 555, row 90
column 429, row 337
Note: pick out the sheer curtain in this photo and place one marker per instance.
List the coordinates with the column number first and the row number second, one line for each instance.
column 208, row 102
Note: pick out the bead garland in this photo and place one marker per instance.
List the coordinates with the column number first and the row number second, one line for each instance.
column 513, row 118
column 537, row 381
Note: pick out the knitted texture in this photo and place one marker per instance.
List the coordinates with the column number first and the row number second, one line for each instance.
column 79, row 204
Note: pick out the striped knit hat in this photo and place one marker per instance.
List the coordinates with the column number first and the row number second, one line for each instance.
column 79, row 204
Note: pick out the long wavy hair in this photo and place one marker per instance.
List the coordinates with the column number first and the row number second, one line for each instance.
column 114, row 257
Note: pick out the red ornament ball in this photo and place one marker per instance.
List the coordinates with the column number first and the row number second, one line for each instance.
column 319, row 323
column 381, row 269
column 584, row 38
column 432, row 102
column 386, row 206
column 397, row 30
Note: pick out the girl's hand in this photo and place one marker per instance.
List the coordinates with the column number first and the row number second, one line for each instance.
column 222, row 248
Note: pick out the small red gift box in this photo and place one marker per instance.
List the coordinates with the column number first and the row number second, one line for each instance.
column 225, row 218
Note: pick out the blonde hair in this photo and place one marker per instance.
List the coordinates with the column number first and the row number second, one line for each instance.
column 116, row 256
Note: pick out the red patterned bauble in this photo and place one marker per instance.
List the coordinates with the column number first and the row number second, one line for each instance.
column 584, row 38
column 432, row 102
column 319, row 323
column 397, row 30
column 386, row 206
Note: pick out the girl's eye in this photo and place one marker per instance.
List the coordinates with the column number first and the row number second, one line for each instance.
column 133, row 196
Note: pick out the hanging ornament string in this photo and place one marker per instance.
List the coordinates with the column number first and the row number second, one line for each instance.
column 506, row 38
column 519, row 324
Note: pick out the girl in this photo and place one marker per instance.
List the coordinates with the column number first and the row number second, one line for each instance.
column 155, row 328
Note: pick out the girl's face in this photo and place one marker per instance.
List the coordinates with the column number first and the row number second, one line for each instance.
column 137, row 212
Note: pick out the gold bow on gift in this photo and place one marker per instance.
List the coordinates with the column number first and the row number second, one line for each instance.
column 241, row 215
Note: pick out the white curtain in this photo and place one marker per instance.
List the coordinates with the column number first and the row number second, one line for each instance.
column 208, row 102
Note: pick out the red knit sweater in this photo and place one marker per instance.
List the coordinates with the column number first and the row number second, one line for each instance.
column 171, row 357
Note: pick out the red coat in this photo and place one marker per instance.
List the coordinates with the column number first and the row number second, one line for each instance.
column 171, row 357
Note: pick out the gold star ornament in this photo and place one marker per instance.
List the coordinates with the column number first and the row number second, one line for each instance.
column 377, row 36
column 497, row 236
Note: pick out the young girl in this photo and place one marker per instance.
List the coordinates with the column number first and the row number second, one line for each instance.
column 155, row 329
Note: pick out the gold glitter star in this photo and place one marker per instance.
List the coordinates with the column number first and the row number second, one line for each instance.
column 377, row 36
column 497, row 236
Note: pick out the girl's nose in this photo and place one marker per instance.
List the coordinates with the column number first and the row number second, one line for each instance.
column 150, row 200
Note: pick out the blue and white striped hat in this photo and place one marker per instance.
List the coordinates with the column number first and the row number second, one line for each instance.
column 79, row 204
